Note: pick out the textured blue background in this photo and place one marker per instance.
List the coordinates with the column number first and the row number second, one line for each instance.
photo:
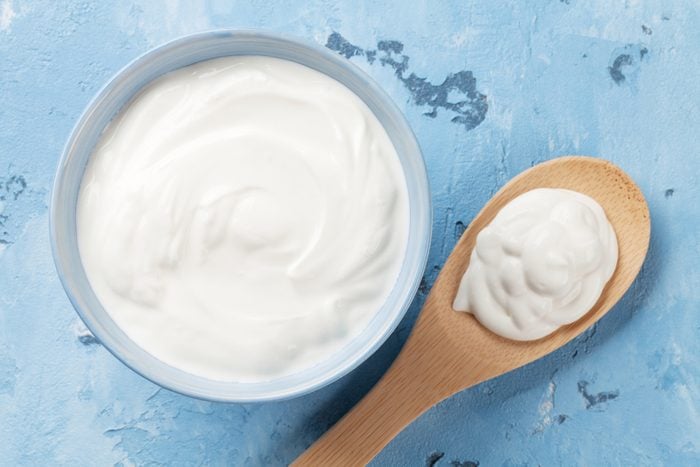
column 536, row 80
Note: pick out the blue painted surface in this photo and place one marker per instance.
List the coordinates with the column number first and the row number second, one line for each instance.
column 613, row 79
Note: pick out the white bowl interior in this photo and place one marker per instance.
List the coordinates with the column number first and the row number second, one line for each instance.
column 118, row 92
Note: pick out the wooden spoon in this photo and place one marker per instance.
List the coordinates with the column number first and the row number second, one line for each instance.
column 449, row 351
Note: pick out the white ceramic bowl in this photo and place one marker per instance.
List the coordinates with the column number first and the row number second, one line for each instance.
column 118, row 92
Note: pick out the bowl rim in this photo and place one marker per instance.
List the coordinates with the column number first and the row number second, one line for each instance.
column 109, row 341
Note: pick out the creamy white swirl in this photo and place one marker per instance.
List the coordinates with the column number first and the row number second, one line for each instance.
column 540, row 264
column 243, row 218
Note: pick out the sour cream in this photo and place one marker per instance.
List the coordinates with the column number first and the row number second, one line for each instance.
column 243, row 218
column 540, row 264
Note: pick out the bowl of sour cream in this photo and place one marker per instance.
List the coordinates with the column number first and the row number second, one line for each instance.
column 241, row 216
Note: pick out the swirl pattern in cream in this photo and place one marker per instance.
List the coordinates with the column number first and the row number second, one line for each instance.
column 243, row 218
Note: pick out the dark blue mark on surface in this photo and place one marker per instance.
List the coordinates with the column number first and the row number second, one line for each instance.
column 88, row 339
column 646, row 30
column 423, row 287
column 459, row 229
column 587, row 340
column 626, row 62
column 435, row 457
column 457, row 94
column 432, row 459
column 13, row 201
column 428, row 279
column 561, row 418
column 616, row 68
column 594, row 399
column 343, row 46
column 669, row 193
column 12, row 187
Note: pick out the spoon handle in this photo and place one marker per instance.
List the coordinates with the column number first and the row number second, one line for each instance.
column 418, row 379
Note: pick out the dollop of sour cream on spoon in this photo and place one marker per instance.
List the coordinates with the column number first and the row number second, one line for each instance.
column 542, row 263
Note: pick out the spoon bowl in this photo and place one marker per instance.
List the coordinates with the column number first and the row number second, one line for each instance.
column 450, row 351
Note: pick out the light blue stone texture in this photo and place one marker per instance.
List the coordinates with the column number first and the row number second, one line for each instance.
column 536, row 79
